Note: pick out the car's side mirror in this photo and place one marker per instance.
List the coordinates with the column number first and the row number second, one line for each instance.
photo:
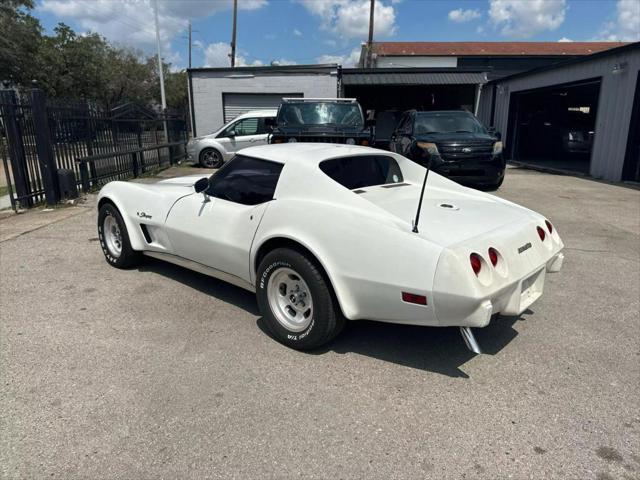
column 498, row 135
column 232, row 133
column 201, row 185
column 270, row 121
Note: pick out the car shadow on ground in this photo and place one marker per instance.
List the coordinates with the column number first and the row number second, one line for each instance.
column 211, row 286
column 433, row 349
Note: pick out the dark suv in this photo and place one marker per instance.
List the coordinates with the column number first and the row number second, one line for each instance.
column 454, row 143
column 328, row 120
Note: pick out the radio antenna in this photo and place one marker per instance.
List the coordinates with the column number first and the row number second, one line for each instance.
column 424, row 184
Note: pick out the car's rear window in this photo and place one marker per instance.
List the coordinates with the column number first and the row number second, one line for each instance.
column 362, row 171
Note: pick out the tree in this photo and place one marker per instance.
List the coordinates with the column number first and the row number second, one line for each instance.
column 19, row 41
column 67, row 65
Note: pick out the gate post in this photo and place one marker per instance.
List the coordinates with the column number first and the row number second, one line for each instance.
column 46, row 159
column 9, row 112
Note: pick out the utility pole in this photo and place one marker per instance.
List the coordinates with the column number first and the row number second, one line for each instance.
column 163, row 98
column 160, row 72
column 370, row 42
column 189, row 43
column 233, row 34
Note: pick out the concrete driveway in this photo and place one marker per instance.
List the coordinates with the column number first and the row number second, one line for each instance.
column 162, row 373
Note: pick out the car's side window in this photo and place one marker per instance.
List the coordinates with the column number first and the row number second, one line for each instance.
column 247, row 126
column 246, row 180
column 363, row 170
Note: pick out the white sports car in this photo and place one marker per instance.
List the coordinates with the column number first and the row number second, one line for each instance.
column 324, row 233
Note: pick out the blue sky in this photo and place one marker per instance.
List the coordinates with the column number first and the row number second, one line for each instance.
column 310, row 31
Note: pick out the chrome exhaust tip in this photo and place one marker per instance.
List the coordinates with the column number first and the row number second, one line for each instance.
column 470, row 340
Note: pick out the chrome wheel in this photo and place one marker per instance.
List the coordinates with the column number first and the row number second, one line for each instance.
column 211, row 158
column 290, row 299
column 112, row 235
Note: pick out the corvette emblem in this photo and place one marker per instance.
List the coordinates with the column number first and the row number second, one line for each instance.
column 466, row 150
column 524, row 247
column 143, row 215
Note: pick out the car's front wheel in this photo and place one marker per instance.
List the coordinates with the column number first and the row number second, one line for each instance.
column 114, row 238
column 211, row 158
column 296, row 301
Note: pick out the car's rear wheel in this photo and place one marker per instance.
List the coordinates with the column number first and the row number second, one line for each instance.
column 296, row 300
column 114, row 238
column 211, row 158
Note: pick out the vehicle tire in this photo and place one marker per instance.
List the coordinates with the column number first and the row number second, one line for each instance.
column 211, row 158
column 114, row 238
column 498, row 184
column 296, row 300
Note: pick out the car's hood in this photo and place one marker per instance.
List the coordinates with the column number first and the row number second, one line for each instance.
column 186, row 181
column 448, row 215
column 453, row 137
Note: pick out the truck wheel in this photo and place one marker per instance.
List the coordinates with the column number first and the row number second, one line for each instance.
column 211, row 158
column 296, row 300
column 114, row 238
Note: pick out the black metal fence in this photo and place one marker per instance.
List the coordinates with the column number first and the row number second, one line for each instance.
column 43, row 140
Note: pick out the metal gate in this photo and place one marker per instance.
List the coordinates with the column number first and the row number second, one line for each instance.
column 41, row 137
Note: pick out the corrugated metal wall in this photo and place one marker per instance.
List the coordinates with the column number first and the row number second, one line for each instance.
column 484, row 110
column 614, row 107
column 209, row 88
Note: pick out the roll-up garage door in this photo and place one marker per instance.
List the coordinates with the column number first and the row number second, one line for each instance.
column 235, row 104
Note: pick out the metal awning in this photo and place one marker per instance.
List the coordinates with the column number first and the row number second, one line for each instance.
column 410, row 78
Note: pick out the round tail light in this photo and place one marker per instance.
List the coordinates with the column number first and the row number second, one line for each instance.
column 493, row 256
column 541, row 233
column 549, row 226
column 476, row 263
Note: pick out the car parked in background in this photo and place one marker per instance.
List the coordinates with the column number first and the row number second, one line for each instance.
column 578, row 133
column 246, row 130
column 453, row 143
column 325, row 120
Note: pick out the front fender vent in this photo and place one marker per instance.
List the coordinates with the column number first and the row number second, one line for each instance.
column 145, row 232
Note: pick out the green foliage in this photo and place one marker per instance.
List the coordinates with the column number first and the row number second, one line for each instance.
column 69, row 65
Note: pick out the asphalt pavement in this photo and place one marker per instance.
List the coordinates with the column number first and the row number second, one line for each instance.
column 158, row 372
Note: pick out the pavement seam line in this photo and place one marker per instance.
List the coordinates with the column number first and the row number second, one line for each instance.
column 45, row 225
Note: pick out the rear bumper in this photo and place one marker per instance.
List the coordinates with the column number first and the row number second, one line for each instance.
column 515, row 298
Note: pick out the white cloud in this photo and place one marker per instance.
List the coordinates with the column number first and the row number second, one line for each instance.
column 348, row 60
column 350, row 18
column 460, row 15
column 565, row 39
column 283, row 61
column 131, row 23
column 523, row 19
column 626, row 26
column 217, row 55
column 297, row 32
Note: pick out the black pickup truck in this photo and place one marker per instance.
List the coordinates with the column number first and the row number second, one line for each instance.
column 452, row 143
column 326, row 120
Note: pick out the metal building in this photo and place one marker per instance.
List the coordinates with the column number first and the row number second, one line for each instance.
column 582, row 115
column 217, row 95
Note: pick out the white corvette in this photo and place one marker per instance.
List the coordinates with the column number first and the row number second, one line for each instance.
column 324, row 233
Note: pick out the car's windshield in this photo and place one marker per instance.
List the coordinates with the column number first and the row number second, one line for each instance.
column 320, row 113
column 447, row 122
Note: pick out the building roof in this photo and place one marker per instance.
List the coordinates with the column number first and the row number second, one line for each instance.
column 625, row 47
column 490, row 48
column 410, row 76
